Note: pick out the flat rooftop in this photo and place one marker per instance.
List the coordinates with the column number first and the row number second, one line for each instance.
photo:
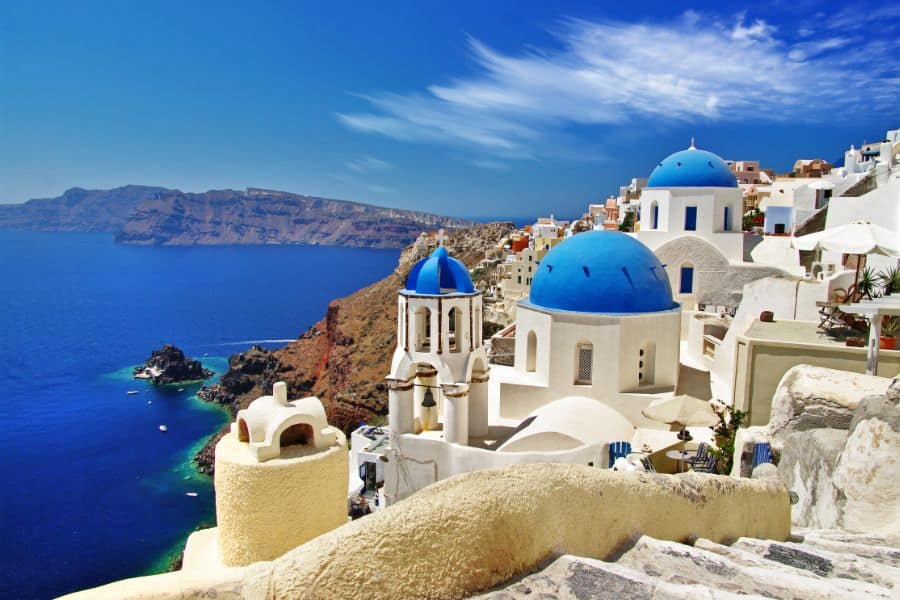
column 795, row 332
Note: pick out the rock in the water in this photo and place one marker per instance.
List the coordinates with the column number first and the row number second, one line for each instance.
column 169, row 365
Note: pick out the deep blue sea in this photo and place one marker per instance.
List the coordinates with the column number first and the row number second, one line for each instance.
column 92, row 490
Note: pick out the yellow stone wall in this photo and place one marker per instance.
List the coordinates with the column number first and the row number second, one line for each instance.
column 266, row 508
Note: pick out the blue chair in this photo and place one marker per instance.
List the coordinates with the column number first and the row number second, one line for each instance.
column 762, row 453
column 707, row 466
column 618, row 450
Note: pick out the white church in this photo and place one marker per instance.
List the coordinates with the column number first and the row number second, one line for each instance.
column 597, row 341
column 691, row 212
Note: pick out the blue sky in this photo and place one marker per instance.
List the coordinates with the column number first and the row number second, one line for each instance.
column 466, row 108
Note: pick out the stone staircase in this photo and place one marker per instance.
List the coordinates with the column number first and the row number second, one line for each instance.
column 814, row 564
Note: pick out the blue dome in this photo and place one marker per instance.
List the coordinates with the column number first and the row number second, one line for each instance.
column 601, row 272
column 692, row 168
column 439, row 274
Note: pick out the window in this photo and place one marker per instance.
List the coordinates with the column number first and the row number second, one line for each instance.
column 690, row 218
column 727, row 225
column 454, row 323
column 654, row 216
column 646, row 364
column 687, row 280
column 520, row 279
column 531, row 353
column 422, row 329
column 584, row 364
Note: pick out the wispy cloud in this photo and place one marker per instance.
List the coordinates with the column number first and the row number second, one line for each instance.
column 380, row 189
column 615, row 73
column 365, row 164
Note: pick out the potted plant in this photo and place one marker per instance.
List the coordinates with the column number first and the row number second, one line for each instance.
column 867, row 284
column 890, row 327
column 890, row 280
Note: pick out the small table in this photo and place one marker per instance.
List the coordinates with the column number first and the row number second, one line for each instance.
column 682, row 457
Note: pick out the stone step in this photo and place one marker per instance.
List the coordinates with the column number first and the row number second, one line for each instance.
column 835, row 587
column 837, row 535
column 682, row 564
column 577, row 578
column 886, row 555
column 821, row 562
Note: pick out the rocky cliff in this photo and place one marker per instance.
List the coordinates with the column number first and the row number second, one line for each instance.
column 344, row 358
column 78, row 210
column 259, row 216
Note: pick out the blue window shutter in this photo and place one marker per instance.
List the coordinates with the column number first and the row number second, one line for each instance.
column 727, row 226
column 656, row 216
column 687, row 280
column 690, row 218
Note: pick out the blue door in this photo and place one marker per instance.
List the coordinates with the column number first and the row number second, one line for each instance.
column 690, row 218
column 687, row 280
column 727, row 226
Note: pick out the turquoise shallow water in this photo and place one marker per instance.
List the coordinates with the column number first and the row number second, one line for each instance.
column 94, row 491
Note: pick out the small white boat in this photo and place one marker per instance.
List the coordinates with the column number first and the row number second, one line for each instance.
column 180, row 389
column 132, row 392
column 149, row 401
column 191, row 494
column 163, row 428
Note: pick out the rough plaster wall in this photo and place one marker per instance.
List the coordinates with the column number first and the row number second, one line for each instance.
column 716, row 281
column 471, row 532
column 265, row 509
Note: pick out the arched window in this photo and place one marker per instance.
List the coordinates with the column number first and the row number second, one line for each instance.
column 584, row 363
column 726, row 226
column 686, row 280
column 531, row 353
column 423, row 329
column 454, row 323
column 301, row 433
column 654, row 216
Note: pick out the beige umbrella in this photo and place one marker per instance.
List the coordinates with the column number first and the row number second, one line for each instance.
column 681, row 410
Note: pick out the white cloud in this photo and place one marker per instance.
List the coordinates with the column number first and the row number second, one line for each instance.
column 380, row 189
column 364, row 164
column 609, row 73
column 807, row 50
column 758, row 31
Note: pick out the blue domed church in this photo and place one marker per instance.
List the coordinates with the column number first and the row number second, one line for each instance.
column 600, row 323
column 691, row 217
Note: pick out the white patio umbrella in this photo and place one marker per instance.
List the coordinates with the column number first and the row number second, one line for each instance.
column 859, row 237
column 681, row 410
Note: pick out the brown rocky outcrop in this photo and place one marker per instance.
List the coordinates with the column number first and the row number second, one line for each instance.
column 344, row 358
column 169, row 365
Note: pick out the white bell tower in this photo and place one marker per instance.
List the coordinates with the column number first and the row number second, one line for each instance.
column 439, row 373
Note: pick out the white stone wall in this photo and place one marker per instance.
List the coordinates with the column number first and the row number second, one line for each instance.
column 617, row 341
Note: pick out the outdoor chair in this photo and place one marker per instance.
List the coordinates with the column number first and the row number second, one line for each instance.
column 707, row 466
column 701, row 456
column 762, row 453
column 648, row 464
column 618, row 450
